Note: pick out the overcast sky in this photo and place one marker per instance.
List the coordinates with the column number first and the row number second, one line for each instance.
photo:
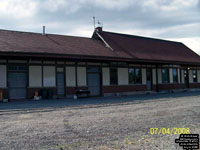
column 177, row 20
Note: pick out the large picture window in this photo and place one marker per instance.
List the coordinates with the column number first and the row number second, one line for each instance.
column 165, row 75
column 194, row 75
column 175, row 75
column 113, row 76
column 135, row 76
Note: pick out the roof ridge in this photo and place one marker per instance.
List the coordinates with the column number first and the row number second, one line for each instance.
column 37, row 33
column 143, row 37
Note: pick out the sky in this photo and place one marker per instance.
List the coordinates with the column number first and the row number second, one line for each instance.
column 177, row 20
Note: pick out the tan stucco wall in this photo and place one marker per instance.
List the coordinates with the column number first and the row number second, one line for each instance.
column 70, row 77
column 144, row 76
column 170, row 76
column 123, row 76
column 35, row 76
column 182, row 77
column 49, row 76
column 106, row 76
column 154, row 75
column 3, row 76
column 198, row 76
column 159, row 76
column 81, row 76
column 190, row 76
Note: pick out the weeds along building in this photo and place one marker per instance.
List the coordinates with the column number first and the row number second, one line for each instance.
column 106, row 64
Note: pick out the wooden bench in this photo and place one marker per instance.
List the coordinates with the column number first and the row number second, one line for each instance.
column 80, row 92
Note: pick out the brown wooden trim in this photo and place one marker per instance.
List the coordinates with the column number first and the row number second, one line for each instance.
column 95, row 58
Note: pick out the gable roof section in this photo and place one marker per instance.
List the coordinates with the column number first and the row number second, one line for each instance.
column 150, row 49
column 120, row 47
column 24, row 42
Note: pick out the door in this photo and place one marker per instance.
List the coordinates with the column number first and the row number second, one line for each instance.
column 94, row 81
column 17, row 85
column 186, row 78
column 149, row 79
column 60, row 83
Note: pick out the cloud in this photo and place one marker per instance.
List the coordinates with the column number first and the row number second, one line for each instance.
column 166, row 19
column 17, row 9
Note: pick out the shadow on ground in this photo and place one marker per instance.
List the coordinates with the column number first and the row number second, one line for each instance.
column 49, row 105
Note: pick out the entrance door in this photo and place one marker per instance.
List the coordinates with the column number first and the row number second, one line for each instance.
column 94, row 81
column 149, row 79
column 60, row 82
column 17, row 85
column 186, row 78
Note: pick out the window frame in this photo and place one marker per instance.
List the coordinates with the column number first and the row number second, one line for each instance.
column 116, row 75
column 196, row 80
column 133, row 75
column 136, row 76
column 168, row 76
column 134, row 80
column 173, row 75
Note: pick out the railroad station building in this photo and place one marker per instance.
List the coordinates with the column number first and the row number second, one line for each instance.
column 106, row 64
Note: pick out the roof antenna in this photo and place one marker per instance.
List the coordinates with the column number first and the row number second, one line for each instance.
column 43, row 30
column 100, row 24
column 94, row 22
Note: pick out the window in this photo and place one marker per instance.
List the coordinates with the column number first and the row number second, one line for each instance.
column 135, row 76
column 17, row 68
column 194, row 75
column 131, row 76
column 165, row 75
column 180, row 75
column 175, row 75
column 113, row 76
column 138, row 76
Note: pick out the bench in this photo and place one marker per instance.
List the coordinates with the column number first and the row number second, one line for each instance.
column 80, row 92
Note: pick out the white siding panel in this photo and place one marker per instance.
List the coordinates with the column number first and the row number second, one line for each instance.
column 106, row 76
column 179, row 76
column 190, row 76
column 159, row 76
column 182, row 77
column 70, row 76
column 81, row 75
column 144, row 76
column 3, row 76
column 49, row 76
column 154, row 76
column 198, row 76
column 35, row 76
column 123, row 76
column 170, row 76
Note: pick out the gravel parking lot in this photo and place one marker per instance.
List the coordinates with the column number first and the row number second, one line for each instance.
column 100, row 124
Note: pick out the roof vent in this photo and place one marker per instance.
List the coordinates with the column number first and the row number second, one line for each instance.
column 43, row 30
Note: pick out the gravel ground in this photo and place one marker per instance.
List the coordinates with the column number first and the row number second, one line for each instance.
column 124, row 125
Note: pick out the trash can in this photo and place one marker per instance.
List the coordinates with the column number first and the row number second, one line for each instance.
column 50, row 94
column 44, row 94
